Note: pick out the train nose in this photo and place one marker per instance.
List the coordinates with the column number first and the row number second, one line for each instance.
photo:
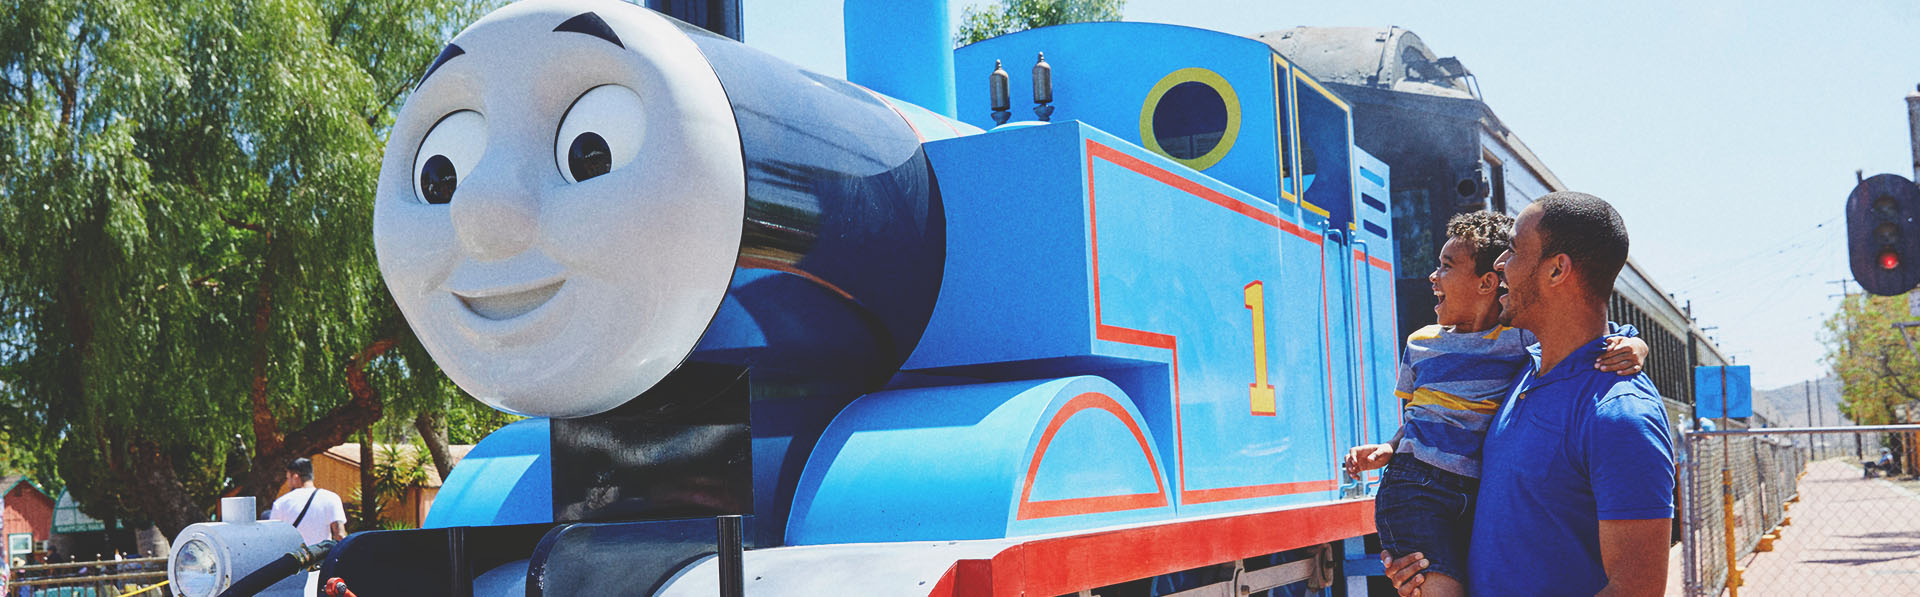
column 495, row 214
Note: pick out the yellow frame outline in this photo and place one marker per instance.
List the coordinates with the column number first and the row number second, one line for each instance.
column 1283, row 125
column 1204, row 77
column 1344, row 107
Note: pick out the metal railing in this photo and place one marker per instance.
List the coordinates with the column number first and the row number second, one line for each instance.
column 1742, row 489
column 138, row 577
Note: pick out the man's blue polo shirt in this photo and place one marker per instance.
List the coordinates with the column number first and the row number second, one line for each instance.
column 1568, row 449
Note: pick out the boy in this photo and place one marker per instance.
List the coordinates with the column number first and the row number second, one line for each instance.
column 1453, row 376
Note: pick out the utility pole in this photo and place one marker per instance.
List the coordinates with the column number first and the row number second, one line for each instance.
column 1809, row 387
column 1693, row 360
column 1913, row 128
column 1846, row 321
column 1821, row 417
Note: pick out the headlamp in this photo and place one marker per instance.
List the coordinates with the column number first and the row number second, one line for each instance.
column 208, row 557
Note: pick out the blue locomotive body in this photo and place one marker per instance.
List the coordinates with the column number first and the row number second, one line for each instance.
column 1164, row 315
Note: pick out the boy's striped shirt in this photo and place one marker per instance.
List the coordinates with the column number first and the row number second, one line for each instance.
column 1452, row 384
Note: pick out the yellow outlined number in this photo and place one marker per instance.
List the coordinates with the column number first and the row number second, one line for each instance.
column 1260, row 392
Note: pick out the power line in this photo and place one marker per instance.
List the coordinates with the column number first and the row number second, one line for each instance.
column 1792, row 242
column 1728, row 268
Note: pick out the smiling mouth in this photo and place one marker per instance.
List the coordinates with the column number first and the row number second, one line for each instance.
column 510, row 305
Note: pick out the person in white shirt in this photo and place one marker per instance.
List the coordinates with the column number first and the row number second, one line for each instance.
column 317, row 513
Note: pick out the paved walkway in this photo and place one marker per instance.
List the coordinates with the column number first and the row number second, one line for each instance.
column 1850, row 536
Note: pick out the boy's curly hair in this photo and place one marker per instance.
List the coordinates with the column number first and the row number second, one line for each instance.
column 1490, row 232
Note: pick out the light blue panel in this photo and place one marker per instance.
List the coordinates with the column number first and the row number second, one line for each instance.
column 1306, row 396
column 1176, row 254
column 951, row 463
column 1383, row 337
column 1342, row 342
column 1015, row 281
column 1103, row 74
column 1730, row 385
column 506, row 479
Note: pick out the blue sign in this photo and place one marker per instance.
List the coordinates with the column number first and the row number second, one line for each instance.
column 1731, row 386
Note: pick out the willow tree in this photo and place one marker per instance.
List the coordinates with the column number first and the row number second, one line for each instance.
column 1008, row 16
column 186, row 186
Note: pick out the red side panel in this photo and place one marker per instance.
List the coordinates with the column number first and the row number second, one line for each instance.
column 1062, row 565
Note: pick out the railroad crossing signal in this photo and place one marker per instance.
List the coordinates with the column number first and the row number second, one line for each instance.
column 1883, row 234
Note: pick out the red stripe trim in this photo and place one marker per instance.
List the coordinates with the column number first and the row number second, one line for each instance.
column 896, row 112
column 1122, row 335
column 1373, row 261
column 1065, row 565
column 946, row 121
column 1203, row 496
column 1121, row 159
column 1093, row 241
column 1090, row 505
column 1326, row 330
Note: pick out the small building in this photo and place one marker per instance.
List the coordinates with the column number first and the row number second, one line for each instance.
column 28, row 518
column 77, row 536
column 338, row 470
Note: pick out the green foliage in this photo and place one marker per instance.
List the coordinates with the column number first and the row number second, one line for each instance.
column 185, row 203
column 1008, row 16
column 468, row 420
column 1876, row 367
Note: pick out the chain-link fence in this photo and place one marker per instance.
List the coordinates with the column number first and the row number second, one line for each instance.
column 1799, row 512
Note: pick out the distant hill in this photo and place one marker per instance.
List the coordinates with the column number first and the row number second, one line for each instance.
column 1786, row 406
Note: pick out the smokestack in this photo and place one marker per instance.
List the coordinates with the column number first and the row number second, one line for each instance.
column 902, row 48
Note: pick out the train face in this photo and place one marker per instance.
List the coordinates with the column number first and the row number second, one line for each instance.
column 574, row 203
column 549, row 269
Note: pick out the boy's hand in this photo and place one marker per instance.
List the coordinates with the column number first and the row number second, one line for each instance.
column 1623, row 356
column 1367, row 457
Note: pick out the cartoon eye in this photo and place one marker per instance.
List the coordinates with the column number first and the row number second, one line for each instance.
column 451, row 148
column 600, row 133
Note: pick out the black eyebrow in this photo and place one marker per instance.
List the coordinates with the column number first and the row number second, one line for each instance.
column 445, row 55
column 591, row 24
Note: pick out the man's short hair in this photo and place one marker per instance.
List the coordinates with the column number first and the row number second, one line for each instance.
column 302, row 467
column 1490, row 232
column 1589, row 232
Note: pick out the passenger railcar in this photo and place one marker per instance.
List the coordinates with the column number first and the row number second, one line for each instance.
column 1422, row 113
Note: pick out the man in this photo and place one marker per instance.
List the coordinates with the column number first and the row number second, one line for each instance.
column 316, row 512
column 1576, row 496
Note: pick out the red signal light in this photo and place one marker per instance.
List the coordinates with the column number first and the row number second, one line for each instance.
column 1889, row 259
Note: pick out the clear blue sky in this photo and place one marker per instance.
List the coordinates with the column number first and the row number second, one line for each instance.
column 1726, row 133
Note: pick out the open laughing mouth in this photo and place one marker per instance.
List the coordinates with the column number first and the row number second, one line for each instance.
column 509, row 305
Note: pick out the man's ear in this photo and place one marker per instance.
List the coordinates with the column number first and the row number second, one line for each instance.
column 1559, row 269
